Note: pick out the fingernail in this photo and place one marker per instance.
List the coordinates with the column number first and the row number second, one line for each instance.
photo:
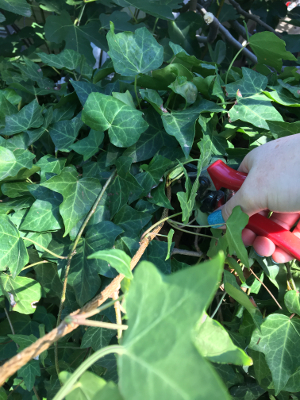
column 257, row 254
column 274, row 261
column 216, row 218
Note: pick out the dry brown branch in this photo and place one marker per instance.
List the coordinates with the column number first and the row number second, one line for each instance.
column 42, row 344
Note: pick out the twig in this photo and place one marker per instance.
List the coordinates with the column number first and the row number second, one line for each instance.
column 240, row 29
column 118, row 312
column 42, row 344
column 36, row 393
column 196, row 242
column 230, row 39
column 10, row 324
column 71, row 254
column 44, row 248
column 268, row 290
column 81, row 320
column 187, row 252
column 191, row 233
column 253, row 17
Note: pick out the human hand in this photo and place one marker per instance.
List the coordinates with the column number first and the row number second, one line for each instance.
column 272, row 184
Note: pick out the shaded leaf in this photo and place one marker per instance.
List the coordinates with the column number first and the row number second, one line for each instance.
column 89, row 145
column 20, row 7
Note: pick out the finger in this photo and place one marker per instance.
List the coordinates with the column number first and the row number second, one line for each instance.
column 286, row 220
column 248, row 237
column 239, row 199
column 264, row 246
column 280, row 256
column 244, row 167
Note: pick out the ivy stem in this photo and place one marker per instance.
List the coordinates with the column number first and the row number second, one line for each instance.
column 71, row 254
column 218, row 306
column 233, row 60
column 187, row 253
column 154, row 26
column 100, row 309
column 136, row 93
column 84, row 366
column 290, row 277
column 158, row 223
column 44, row 248
column 191, row 233
column 32, row 265
column 268, row 290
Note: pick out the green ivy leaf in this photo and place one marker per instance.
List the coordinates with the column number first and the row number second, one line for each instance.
column 185, row 88
column 154, row 172
column 252, row 83
column 97, row 338
column 84, row 276
column 79, row 195
column 234, row 226
column 59, row 28
column 15, row 189
column 13, row 254
column 29, row 117
column 22, row 293
column 43, row 215
column 124, row 124
column 29, row 372
column 214, row 343
column 89, row 146
column 64, row 133
column 270, row 50
column 20, row 7
column 84, row 89
column 147, row 341
column 124, row 188
column 278, row 340
column 150, row 141
column 160, row 8
column 233, row 289
column 256, row 110
column 118, row 259
column 181, row 124
column 134, row 53
column 292, row 301
column 6, row 108
column 69, row 59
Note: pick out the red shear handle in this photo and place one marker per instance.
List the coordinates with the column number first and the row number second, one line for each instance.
column 224, row 176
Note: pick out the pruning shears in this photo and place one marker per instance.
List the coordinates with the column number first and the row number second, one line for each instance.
column 292, row 4
column 224, row 177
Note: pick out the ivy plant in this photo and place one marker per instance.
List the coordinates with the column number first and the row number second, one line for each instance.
column 110, row 110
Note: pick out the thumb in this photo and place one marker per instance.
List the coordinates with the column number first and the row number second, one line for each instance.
column 246, row 203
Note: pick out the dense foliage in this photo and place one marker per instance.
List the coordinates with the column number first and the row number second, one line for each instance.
column 174, row 95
